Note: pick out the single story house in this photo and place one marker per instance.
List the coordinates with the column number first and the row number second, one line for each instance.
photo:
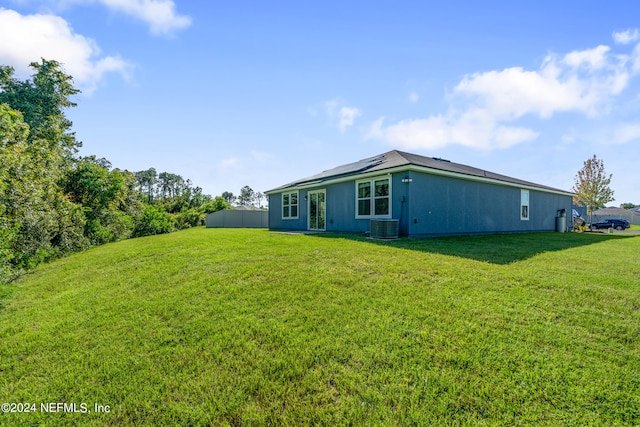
column 424, row 196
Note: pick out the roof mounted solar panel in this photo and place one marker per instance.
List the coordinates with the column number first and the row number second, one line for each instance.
column 351, row 168
column 354, row 167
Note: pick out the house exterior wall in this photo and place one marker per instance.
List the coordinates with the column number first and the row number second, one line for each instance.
column 341, row 205
column 341, row 208
column 340, row 212
column 432, row 205
column 276, row 222
column 447, row 206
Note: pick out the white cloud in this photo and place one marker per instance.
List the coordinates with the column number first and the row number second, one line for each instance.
column 413, row 97
column 483, row 106
column 24, row 39
column 626, row 133
column 340, row 115
column 591, row 58
column 580, row 81
column 436, row 132
column 513, row 92
column 506, row 136
column 626, row 37
column 160, row 15
column 347, row 117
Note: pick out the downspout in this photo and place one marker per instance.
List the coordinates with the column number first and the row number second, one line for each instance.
column 404, row 200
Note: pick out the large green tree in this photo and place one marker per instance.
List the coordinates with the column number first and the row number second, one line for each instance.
column 38, row 220
column 36, row 148
column 591, row 185
column 246, row 196
column 147, row 180
column 106, row 197
column 13, row 144
column 42, row 101
column 228, row 197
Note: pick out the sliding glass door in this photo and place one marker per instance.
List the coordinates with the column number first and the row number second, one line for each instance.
column 317, row 210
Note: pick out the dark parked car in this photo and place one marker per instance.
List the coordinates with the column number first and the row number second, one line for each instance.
column 618, row 224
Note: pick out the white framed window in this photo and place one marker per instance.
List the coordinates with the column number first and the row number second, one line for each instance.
column 290, row 205
column 373, row 198
column 524, row 205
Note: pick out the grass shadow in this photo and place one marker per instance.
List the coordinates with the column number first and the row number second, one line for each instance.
column 491, row 248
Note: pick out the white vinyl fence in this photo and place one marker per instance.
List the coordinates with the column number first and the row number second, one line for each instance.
column 230, row 218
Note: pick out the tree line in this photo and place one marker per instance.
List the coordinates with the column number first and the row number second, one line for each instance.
column 54, row 201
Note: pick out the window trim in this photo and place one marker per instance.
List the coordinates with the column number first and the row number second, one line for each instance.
column 297, row 205
column 372, row 197
column 523, row 205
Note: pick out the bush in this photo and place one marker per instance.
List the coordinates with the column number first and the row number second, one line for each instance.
column 153, row 220
column 110, row 227
column 215, row 205
column 189, row 218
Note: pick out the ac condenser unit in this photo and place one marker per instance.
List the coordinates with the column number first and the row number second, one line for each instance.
column 384, row 229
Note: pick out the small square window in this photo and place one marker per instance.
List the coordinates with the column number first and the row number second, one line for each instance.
column 364, row 190
column 364, row 207
column 382, row 206
column 382, row 188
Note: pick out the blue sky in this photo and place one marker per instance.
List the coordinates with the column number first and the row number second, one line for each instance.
column 263, row 93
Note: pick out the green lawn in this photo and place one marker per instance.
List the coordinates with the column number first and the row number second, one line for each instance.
column 249, row 327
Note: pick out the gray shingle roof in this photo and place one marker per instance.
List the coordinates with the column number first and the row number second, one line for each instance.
column 395, row 159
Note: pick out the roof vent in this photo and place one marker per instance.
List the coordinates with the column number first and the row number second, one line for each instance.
column 441, row 159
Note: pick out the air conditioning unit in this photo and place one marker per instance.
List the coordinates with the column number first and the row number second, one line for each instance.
column 384, row 229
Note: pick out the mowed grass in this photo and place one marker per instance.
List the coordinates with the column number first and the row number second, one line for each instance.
column 249, row 327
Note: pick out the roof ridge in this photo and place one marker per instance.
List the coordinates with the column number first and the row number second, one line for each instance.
column 405, row 155
column 397, row 158
column 401, row 154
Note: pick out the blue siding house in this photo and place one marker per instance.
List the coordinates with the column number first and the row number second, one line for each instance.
column 427, row 196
